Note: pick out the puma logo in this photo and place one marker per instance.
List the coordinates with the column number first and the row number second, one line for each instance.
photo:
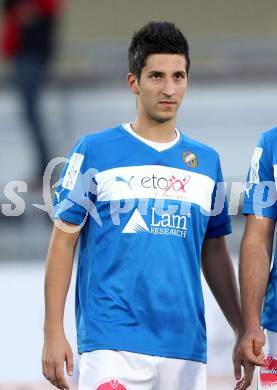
column 128, row 182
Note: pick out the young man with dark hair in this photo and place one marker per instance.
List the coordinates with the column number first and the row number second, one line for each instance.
column 142, row 194
column 258, row 274
column 151, row 40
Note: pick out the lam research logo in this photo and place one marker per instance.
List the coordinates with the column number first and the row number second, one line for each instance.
column 136, row 224
column 161, row 224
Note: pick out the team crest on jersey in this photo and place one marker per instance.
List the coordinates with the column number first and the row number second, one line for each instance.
column 268, row 373
column 111, row 384
column 190, row 159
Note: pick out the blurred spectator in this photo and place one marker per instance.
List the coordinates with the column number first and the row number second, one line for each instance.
column 27, row 40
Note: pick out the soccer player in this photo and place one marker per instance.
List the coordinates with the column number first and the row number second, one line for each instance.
column 256, row 280
column 142, row 197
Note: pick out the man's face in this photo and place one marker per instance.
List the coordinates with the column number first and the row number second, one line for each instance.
column 162, row 85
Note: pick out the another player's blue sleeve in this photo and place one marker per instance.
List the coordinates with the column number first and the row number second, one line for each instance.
column 75, row 194
column 260, row 197
column 219, row 221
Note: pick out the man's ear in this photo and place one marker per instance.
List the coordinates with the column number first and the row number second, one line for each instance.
column 133, row 83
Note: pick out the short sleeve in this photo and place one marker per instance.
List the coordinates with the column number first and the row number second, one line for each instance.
column 260, row 197
column 219, row 223
column 76, row 191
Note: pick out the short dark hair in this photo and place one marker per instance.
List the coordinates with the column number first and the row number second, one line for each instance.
column 156, row 38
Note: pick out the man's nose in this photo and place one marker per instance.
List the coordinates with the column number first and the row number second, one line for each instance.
column 168, row 87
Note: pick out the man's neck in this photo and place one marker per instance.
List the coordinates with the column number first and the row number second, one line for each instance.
column 156, row 132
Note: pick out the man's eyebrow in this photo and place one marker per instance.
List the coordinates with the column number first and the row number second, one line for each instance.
column 181, row 72
column 160, row 72
column 155, row 71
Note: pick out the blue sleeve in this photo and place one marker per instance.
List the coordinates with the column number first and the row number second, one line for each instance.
column 76, row 190
column 219, row 223
column 260, row 190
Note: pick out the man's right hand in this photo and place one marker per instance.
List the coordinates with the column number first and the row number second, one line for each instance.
column 250, row 347
column 56, row 352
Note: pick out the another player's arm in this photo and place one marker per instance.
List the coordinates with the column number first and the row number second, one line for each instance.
column 219, row 273
column 56, row 349
column 255, row 258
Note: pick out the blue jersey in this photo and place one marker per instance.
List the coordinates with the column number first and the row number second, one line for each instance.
column 261, row 199
column 145, row 215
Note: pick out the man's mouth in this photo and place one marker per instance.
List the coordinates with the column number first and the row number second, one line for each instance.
column 167, row 102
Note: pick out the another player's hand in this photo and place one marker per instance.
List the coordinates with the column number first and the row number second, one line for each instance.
column 56, row 352
column 250, row 346
column 245, row 380
column 248, row 353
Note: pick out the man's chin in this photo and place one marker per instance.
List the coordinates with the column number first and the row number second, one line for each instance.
column 164, row 118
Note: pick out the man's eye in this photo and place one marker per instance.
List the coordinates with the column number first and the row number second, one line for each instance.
column 179, row 76
column 155, row 76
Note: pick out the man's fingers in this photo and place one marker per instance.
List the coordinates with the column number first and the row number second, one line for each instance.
column 43, row 368
column 69, row 363
column 57, row 351
column 239, row 384
column 242, row 384
column 247, row 353
column 257, row 346
column 256, row 360
column 51, row 375
column 245, row 382
column 237, row 369
column 248, row 375
column 261, row 356
column 59, row 375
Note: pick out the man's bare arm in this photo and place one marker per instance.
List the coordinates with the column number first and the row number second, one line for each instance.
column 219, row 273
column 56, row 349
column 255, row 258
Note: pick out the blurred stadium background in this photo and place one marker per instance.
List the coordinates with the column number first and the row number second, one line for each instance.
column 232, row 98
